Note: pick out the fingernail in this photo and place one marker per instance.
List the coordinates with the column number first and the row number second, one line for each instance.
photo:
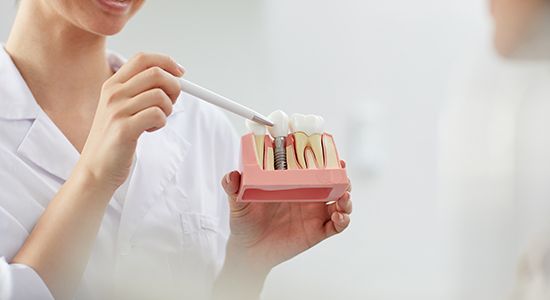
column 181, row 68
column 340, row 218
column 226, row 178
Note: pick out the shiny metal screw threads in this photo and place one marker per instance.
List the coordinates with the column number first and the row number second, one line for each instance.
column 280, row 153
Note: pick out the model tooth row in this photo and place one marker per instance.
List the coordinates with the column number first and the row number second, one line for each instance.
column 304, row 147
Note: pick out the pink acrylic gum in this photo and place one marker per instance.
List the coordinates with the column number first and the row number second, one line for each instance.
column 293, row 185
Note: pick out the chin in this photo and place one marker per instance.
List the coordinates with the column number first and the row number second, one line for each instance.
column 505, row 42
column 97, row 17
column 106, row 28
column 502, row 48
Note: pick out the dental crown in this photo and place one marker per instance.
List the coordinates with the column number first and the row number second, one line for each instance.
column 280, row 121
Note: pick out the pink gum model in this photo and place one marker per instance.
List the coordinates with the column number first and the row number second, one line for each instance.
column 297, row 185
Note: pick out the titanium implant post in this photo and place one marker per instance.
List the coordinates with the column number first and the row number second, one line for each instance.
column 280, row 153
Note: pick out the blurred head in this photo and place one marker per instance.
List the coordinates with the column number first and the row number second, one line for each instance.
column 519, row 23
column 102, row 17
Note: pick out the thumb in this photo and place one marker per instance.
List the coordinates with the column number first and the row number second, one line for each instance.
column 231, row 183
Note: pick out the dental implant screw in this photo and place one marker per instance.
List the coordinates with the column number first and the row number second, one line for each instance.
column 279, row 131
column 280, row 153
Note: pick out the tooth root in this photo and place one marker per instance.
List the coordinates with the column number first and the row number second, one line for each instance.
column 310, row 159
column 291, row 158
column 300, row 143
column 269, row 159
column 317, row 148
column 292, row 162
column 259, row 144
column 331, row 155
column 269, row 163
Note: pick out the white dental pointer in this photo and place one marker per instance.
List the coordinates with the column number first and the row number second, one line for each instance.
column 208, row 96
column 223, row 102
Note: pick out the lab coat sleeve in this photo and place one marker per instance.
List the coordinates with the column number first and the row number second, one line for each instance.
column 17, row 281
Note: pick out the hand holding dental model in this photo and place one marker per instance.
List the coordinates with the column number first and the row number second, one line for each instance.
column 314, row 203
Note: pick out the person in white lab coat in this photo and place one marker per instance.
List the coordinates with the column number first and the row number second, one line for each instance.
column 495, row 161
column 110, row 181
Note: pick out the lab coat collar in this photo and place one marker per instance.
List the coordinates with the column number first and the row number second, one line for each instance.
column 44, row 144
column 16, row 99
column 47, row 147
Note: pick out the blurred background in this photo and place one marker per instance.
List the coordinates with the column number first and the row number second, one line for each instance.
column 381, row 73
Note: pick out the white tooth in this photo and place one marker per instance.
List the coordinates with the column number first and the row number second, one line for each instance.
column 279, row 132
column 308, row 130
column 316, row 124
column 259, row 132
column 297, row 122
column 308, row 124
column 280, row 121
column 320, row 125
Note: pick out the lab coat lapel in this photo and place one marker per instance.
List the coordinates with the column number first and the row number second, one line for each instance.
column 44, row 145
column 47, row 147
column 158, row 157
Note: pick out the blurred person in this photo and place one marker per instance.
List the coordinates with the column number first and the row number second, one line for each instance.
column 495, row 161
column 521, row 28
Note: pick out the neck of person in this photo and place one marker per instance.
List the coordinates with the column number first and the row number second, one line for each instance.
column 63, row 65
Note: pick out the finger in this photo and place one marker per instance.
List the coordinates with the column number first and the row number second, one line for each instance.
column 144, row 61
column 338, row 223
column 154, row 77
column 154, row 97
column 231, row 183
column 331, row 208
column 344, row 204
column 149, row 119
column 343, row 165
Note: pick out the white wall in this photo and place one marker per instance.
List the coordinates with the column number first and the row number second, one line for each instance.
column 377, row 71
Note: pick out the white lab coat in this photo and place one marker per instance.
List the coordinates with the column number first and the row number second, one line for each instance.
column 165, row 240
column 495, row 180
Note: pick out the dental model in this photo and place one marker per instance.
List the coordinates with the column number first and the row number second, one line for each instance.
column 308, row 139
column 279, row 131
column 259, row 132
column 301, row 166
